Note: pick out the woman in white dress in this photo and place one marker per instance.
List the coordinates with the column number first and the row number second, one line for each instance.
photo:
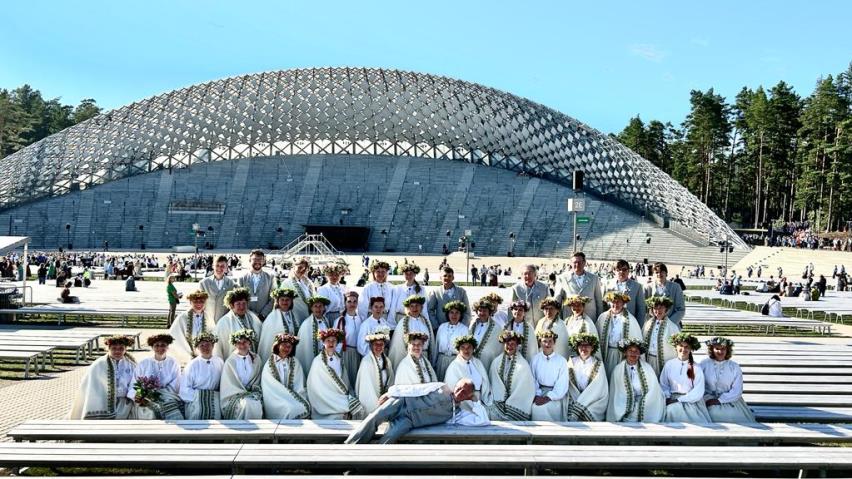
column 579, row 322
column 414, row 368
column 329, row 393
column 240, row 387
column 283, row 382
column 413, row 321
column 188, row 325
column 447, row 334
column 723, row 384
column 199, row 386
column 486, row 332
column 634, row 391
column 408, row 288
column 238, row 318
column 309, row 332
column 501, row 317
column 587, row 382
column 375, row 375
column 512, row 384
column 280, row 320
column 551, row 322
column 682, row 382
column 520, row 325
column 658, row 331
column 550, row 373
column 349, row 322
column 613, row 326
column 465, row 366
column 167, row 371
column 375, row 321
column 103, row 391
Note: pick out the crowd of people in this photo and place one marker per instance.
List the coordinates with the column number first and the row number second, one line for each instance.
column 253, row 347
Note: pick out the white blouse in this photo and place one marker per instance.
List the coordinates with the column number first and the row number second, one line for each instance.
column 283, row 367
column 245, row 367
column 167, row 371
column 201, row 374
column 635, row 380
column 723, row 380
column 616, row 328
column 197, row 321
column 124, row 377
column 368, row 327
column 655, row 332
column 335, row 364
column 372, row 290
column 335, row 293
column 519, row 327
column 674, row 380
column 582, row 370
column 447, row 333
column 474, row 375
column 418, row 324
column 353, row 326
column 551, row 372
column 380, row 361
column 479, row 330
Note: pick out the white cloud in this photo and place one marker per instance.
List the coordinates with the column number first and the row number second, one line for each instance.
column 648, row 52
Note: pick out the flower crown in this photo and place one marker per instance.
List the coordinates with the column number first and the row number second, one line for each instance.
column 465, row 339
column 624, row 344
column 484, row 303
column 197, row 294
column 520, row 304
column 576, row 299
column 457, row 305
column 376, row 264
column 205, row 336
column 548, row 302
column 546, row 333
column 330, row 333
column 121, row 340
column 318, row 299
column 282, row 293
column 613, row 295
column 691, row 340
column 335, row 268
column 285, row 338
column 493, row 298
column 414, row 299
column 510, row 335
column 380, row 334
column 409, row 337
column 160, row 338
column 575, row 340
column 655, row 300
column 410, row 267
column 243, row 334
column 236, row 294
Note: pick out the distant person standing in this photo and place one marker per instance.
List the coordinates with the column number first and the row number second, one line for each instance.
column 531, row 291
column 580, row 282
column 260, row 284
column 629, row 286
column 216, row 287
column 663, row 287
column 174, row 298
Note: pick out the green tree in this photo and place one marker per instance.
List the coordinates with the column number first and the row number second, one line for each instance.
column 87, row 108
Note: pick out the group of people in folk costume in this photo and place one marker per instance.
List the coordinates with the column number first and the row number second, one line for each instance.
column 564, row 359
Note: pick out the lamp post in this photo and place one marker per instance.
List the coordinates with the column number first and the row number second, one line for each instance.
column 196, row 229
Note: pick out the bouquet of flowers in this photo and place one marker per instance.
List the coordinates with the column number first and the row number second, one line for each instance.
column 147, row 389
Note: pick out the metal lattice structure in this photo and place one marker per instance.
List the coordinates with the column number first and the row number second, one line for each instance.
column 352, row 111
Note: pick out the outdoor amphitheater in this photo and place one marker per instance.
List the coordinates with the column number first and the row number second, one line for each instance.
column 357, row 166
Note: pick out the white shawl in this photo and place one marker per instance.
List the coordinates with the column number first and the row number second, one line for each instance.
column 369, row 385
column 181, row 330
column 457, row 370
column 227, row 325
column 232, row 390
column 96, row 398
column 275, row 324
column 410, row 372
column 512, row 388
column 284, row 398
column 591, row 403
column 329, row 394
column 561, row 346
column 665, row 350
column 652, row 406
column 489, row 347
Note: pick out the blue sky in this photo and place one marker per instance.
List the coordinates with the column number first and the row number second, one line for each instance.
column 598, row 61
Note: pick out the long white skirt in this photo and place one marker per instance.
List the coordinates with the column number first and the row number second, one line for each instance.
column 689, row 412
column 736, row 411
column 552, row 411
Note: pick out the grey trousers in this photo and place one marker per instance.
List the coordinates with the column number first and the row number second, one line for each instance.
column 404, row 414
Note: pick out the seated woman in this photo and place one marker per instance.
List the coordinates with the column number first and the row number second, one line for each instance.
column 283, row 382
column 329, row 393
column 615, row 325
column 466, row 366
column 166, row 370
column 65, row 295
column 550, row 374
column 413, row 321
column 240, row 388
column 723, row 384
column 188, row 325
column 103, row 391
column 485, row 330
column 634, row 391
column 657, row 333
column 520, row 325
column 199, row 387
column 587, row 383
column 375, row 375
column 551, row 322
column 682, row 382
column 315, row 323
column 237, row 319
column 414, row 367
column 447, row 334
column 579, row 322
column 513, row 387
column 280, row 320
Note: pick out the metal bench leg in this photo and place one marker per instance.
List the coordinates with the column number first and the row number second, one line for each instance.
column 27, row 368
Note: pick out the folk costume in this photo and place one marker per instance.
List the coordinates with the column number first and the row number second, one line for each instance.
column 240, row 387
column 186, row 327
column 278, row 322
column 657, row 335
column 283, row 384
column 446, row 337
column 103, row 391
column 613, row 328
column 330, row 395
column 723, row 381
column 472, row 369
column 375, row 375
column 683, row 381
column 550, row 373
column 199, row 388
column 167, row 372
column 588, row 386
column 512, row 384
column 231, row 323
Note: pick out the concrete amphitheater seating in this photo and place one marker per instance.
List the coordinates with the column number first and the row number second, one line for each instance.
column 415, row 200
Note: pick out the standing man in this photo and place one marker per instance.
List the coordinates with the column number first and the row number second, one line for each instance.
column 174, row 298
column 259, row 283
column 438, row 297
column 580, row 282
column 663, row 287
column 532, row 291
column 216, row 287
column 304, row 288
column 625, row 284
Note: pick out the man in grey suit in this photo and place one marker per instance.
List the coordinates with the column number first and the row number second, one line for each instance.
column 443, row 294
column 419, row 405
column 216, row 287
column 531, row 290
column 663, row 287
column 259, row 283
column 625, row 284
column 580, row 282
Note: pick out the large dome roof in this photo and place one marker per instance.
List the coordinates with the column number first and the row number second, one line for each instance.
column 357, row 111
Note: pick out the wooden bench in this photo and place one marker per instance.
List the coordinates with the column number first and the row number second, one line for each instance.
column 529, row 432
column 28, row 357
column 821, row 414
column 63, row 313
column 528, row 459
column 80, row 347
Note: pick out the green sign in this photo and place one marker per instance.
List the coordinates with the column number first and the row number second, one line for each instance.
column 581, row 220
